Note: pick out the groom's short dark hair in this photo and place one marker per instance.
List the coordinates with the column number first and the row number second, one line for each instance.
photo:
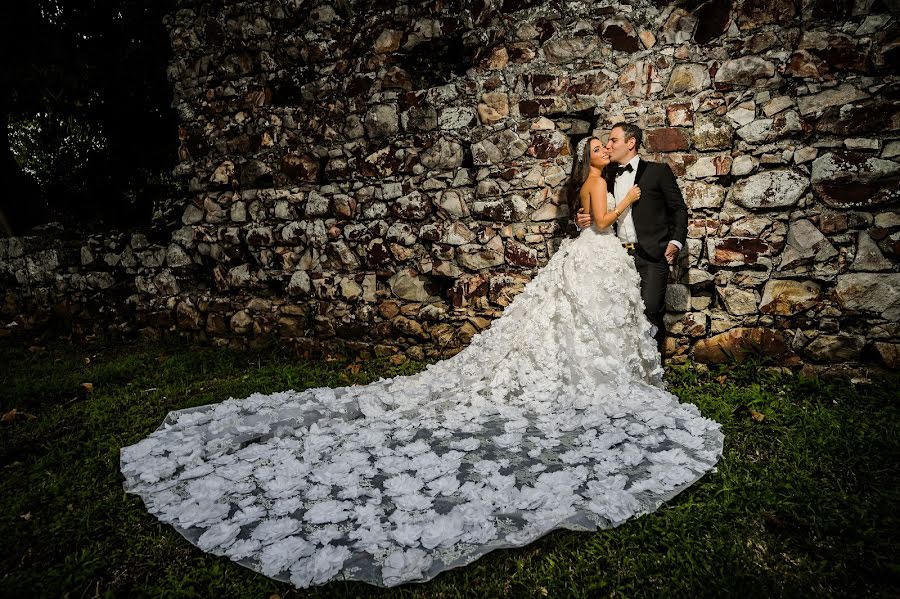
column 631, row 132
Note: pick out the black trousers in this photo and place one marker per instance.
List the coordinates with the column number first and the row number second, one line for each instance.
column 654, row 277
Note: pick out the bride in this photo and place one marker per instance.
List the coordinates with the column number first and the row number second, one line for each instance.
column 556, row 416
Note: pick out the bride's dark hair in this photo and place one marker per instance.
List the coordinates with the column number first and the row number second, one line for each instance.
column 581, row 168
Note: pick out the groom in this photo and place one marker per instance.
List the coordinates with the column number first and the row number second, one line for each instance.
column 653, row 229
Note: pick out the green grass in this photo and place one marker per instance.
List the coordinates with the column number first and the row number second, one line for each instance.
column 804, row 503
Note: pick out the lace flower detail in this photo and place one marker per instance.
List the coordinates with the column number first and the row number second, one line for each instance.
column 218, row 536
column 328, row 512
column 468, row 444
column 403, row 566
column 269, row 531
column 278, row 556
column 321, row 567
column 402, row 484
column 242, row 549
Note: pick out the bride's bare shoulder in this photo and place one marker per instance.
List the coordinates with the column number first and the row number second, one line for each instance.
column 593, row 185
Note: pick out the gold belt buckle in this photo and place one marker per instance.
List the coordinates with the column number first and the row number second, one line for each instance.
column 628, row 246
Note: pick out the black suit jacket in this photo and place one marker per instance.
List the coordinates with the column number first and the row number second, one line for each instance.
column 661, row 214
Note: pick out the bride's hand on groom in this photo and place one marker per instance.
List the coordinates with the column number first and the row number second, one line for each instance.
column 633, row 195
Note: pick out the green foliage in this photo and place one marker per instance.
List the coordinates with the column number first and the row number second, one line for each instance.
column 803, row 503
column 89, row 133
column 58, row 151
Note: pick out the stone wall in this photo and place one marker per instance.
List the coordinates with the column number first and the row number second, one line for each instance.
column 383, row 177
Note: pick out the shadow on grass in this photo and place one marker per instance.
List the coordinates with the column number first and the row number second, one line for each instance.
column 804, row 501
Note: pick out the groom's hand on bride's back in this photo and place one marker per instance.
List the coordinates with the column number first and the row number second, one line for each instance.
column 582, row 219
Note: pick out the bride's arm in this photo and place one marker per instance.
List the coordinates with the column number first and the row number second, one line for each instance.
column 593, row 200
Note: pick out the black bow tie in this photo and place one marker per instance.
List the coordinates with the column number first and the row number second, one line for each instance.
column 624, row 169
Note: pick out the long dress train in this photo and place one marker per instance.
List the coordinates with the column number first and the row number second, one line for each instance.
column 556, row 416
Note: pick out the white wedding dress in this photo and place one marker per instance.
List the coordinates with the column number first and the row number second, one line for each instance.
column 556, row 416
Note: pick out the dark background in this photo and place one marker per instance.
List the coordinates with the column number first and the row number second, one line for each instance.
column 89, row 135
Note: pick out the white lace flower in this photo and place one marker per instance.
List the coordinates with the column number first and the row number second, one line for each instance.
column 467, row 444
column 508, row 440
column 269, row 531
column 140, row 450
column 479, row 533
column 697, row 425
column 683, row 438
column 372, row 538
column 367, row 437
column 392, row 464
column 573, row 456
column 258, row 428
column 647, row 484
column 264, row 473
column 499, row 481
column 235, row 471
column 321, row 567
column 445, row 485
column 445, row 531
column 242, row 549
column 289, row 466
column 671, row 456
column 609, row 483
column 407, row 534
column 413, row 502
column 427, row 465
column 280, row 555
column 218, row 536
column 485, row 467
column 226, row 408
column 529, row 498
column 317, row 440
column 248, row 514
column 615, row 506
column 562, row 480
column 652, row 440
column 191, row 513
column 524, row 535
column 189, row 419
column 330, row 474
column 515, row 426
column 208, row 488
column 251, row 453
column 352, row 459
column 402, row 484
column 282, row 486
column 453, row 456
column 351, row 490
column 669, row 476
column 631, row 454
column 153, row 469
column 403, row 566
column 317, row 492
column 325, row 535
column 404, row 435
column 414, row 449
column 366, row 514
column 286, row 506
column 330, row 512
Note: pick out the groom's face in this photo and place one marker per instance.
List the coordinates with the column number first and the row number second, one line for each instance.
column 618, row 148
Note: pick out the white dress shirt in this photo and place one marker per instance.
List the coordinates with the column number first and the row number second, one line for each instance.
column 625, row 229
column 624, row 181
